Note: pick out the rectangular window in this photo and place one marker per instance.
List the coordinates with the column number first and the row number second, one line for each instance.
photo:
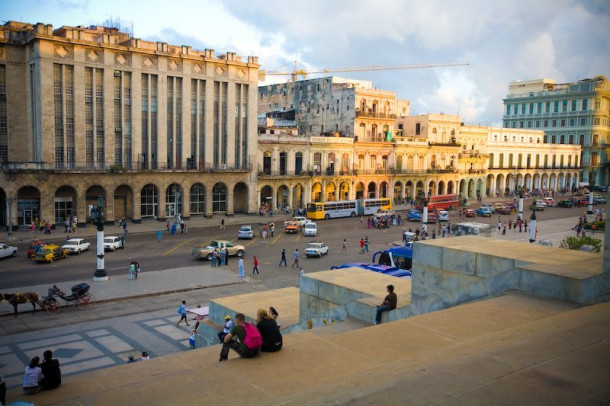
column 539, row 108
column 508, row 109
column 516, row 109
column 572, row 122
column 583, row 121
column 537, row 123
column 58, row 102
column 520, row 124
column 563, row 122
column 585, row 104
column 546, row 123
column 547, row 107
column 556, row 107
column 3, row 117
column 523, row 108
column 573, row 105
column 564, row 106
column 553, row 123
column 529, row 123
column 531, row 108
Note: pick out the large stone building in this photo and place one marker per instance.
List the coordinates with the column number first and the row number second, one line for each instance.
column 432, row 153
column 155, row 129
column 568, row 113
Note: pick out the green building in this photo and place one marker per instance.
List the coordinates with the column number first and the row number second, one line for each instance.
column 568, row 113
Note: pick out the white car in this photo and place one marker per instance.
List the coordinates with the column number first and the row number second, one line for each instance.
column 316, row 249
column 111, row 243
column 310, row 230
column 385, row 213
column 76, row 245
column 245, row 232
column 7, row 251
column 540, row 203
column 443, row 215
column 300, row 219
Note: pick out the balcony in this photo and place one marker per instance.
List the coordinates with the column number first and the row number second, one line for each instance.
column 372, row 114
column 187, row 166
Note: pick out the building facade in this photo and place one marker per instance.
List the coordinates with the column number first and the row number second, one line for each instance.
column 155, row 129
column 569, row 113
column 432, row 154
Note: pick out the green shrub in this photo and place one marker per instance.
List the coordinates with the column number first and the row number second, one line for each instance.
column 599, row 226
column 575, row 243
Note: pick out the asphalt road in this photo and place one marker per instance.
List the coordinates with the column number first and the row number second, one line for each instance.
column 175, row 251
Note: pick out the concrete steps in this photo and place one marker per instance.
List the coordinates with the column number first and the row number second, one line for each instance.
column 513, row 349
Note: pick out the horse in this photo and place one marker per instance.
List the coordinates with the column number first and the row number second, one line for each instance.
column 18, row 298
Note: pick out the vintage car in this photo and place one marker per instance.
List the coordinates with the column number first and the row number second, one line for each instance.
column 112, row 243
column 205, row 251
column 76, row 245
column 431, row 218
column 550, row 202
column 291, row 227
column 316, row 249
column 245, row 232
column 7, row 251
column 565, row 203
column 469, row 213
column 299, row 219
column 443, row 215
column 310, row 229
column 504, row 210
column 385, row 213
column 413, row 215
column 599, row 199
column 49, row 253
column 484, row 211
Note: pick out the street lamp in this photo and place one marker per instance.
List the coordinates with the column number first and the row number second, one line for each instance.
column 177, row 200
column 97, row 215
column 9, row 234
column 425, row 217
column 520, row 206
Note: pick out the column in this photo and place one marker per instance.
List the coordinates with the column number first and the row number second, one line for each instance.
column 230, row 197
column 186, row 203
column 137, row 209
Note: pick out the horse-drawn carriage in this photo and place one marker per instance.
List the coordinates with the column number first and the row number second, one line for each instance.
column 80, row 297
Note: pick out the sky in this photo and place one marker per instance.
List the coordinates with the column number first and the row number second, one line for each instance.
column 503, row 41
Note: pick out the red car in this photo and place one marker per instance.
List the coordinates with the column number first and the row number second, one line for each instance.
column 469, row 213
column 33, row 247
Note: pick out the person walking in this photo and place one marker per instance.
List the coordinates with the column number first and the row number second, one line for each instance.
column 344, row 249
column 240, row 267
column 283, row 259
column 255, row 266
column 182, row 313
column 366, row 243
column 361, row 246
column 296, row 258
column 222, row 224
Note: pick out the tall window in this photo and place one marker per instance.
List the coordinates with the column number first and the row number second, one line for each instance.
column 100, row 152
column 63, row 101
column 585, row 104
column 149, row 121
column 174, row 122
column 539, row 108
column 241, row 125
column 573, row 105
column 197, row 124
column 3, row 117
column 122, row 118
column 197, row 198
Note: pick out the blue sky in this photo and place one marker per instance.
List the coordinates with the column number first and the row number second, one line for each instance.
column 566, row 40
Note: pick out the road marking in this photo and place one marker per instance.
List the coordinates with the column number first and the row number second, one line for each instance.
column 177, row 246
column 251, row 242
column 276, row 238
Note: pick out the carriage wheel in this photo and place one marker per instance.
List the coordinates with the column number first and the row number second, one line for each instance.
column 52, row 306
column 84, row 302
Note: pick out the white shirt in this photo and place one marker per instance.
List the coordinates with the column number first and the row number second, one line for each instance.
column 228, row 326
column 31, row 377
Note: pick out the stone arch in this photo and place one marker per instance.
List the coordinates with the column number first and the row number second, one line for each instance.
column 123, row 202
column 219, row 198
column 266, row 195
column 330, row 192
column 344, row 191
column 297, row 196
column 431, row 189
column 65, row 204
column 240, row 198
column 441, row 188
column 91, row 195
column 371, row 190
column 359, row 190
column 197, row 195
column 149, row 201
column 316, row 192
column 174, row 197
column 419, row 188
column 28, row 204
column 282, row 196
column 384, row 189
column 450, row 188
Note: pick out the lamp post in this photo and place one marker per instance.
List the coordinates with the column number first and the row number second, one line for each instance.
column 533, row 225
column 176, row 204
column 425, row 217
column 9, row 234
column 98, row 216
column 520, row 206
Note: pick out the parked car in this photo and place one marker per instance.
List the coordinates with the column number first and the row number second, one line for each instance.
column 245, row 232
column 205, row 251
column 599, row 199
column 316, row 249
column 311, row 229
column 111, row 243
column 76, row 245
column 469, row 213
column 432, row 218
column 299, row 219
column 49, row 253
column 504, row 210
column 7, row 251
column 484, row 211
column 291, row 227
column 565, row 203
column 33, row 247
column 413, row 215
column 550, row 202
column 538, row 205
column 443, row 215
column 491, row 207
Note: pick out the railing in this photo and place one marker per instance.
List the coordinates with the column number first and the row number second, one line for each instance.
column 114, row 168
column 371, row 114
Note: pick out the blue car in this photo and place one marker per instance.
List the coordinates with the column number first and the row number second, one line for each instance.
column 413, row 215
column 484, row 211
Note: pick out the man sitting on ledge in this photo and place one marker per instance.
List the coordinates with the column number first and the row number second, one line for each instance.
column 236, row 340
column 389, row 303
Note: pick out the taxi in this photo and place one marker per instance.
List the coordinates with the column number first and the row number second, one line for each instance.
column 49, row 253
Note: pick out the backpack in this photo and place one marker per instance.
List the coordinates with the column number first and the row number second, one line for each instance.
column 253, row 339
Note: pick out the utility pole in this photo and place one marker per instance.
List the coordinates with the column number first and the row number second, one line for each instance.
column 98, row 216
